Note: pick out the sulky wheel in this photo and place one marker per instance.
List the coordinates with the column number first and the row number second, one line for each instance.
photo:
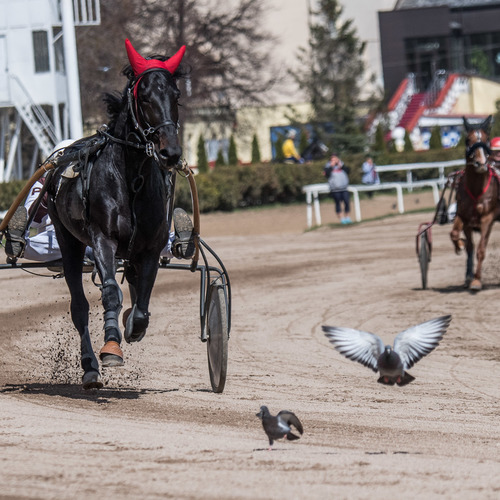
column 217, row 333
column 424, row 257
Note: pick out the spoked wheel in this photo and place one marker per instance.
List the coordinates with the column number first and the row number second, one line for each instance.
column 424, row 257
column 218, row 335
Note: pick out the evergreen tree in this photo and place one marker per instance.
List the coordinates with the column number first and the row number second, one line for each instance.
column 303, row 143
column 380, row 145
column 278, row 146
column 256, row 149
column 332, row 72
column 435, row 139
column 461, row 141
column 408, row 144
column 232, row 153
column 202, row 156
column 220, row 161
column 495, row 128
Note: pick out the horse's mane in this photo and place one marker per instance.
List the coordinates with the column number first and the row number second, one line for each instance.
column 116, row 101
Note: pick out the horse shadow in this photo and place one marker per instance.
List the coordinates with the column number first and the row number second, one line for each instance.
column 451, row 289
column 76, row 392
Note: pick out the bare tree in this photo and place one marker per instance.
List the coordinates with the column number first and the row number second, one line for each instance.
column 227, row 50
column 101, row 56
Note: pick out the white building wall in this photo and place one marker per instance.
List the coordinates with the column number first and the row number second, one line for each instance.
column 18, row 20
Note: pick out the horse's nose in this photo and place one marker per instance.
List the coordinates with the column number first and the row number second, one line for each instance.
column 170, row 155
column 169, row 150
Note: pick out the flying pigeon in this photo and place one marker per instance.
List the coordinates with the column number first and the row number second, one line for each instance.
column 279, row 426
column 392, row 362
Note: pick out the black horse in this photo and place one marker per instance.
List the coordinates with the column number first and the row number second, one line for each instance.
column 120, row 204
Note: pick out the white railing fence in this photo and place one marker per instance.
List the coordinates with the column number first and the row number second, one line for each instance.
column 312, row 191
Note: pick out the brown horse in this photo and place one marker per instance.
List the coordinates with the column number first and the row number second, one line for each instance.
column 477, row 200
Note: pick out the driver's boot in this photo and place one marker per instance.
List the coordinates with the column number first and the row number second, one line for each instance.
column 183, row 246
column 14, row 235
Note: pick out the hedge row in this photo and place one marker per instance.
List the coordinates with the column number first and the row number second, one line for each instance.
column 8, row 192
column 227, row 188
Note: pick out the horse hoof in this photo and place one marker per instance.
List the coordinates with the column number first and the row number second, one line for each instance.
column 110, row 360
column 135, row 325
column 475, row 285
column 111, row 354
column 125, row 316
column 91, row 380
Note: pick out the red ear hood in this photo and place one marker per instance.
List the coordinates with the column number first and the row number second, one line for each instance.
column 140, row 64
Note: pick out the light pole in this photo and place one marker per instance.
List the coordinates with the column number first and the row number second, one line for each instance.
column 71, row 65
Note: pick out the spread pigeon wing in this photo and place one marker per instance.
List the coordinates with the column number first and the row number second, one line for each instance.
column 363, row 347
column 418, row 341
column 291, row 419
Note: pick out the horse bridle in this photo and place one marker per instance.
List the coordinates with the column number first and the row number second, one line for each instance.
column 147, row 131
column 469, row 150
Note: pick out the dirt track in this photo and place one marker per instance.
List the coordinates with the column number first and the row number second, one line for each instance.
column 156, row 431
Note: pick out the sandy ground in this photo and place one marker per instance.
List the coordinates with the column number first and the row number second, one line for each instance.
column 157, row 431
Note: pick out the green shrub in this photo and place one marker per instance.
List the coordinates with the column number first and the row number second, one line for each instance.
column 228, row 188
column 226, row 180
column 8, row 193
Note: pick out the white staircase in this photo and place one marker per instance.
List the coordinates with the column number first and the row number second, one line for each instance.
column 33, row 115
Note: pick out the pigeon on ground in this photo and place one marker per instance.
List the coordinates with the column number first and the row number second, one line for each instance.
column 279, row 426
column 392, row 362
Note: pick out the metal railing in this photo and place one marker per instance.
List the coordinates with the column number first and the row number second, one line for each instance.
column 39, row 124
column 312, row 191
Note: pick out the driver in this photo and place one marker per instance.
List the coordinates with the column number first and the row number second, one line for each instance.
column 43, row 246
column 494, row 157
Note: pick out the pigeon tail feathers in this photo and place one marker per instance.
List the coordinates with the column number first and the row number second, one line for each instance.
column 291, row 436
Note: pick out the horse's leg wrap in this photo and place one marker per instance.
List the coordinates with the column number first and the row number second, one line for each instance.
column 89, row 361
column 111, row 326
column 136, row 325
column 91, row 378
column 112, row 298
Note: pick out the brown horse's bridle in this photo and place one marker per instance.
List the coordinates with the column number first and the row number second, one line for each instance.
column 480, row 166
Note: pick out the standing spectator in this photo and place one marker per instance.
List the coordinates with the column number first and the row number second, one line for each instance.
column 289, row 151
column 338, row 179
column 370, row 175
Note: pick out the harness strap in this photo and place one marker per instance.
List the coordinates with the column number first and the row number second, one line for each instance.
column 135, row 145
column 49, row 164
column 476, row 198
column 137, row 184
